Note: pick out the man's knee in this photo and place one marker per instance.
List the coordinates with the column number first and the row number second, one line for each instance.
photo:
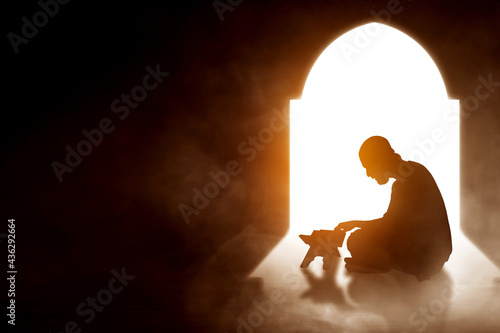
column 356, row 242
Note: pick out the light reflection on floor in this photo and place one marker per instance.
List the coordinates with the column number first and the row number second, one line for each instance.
column 463, row 297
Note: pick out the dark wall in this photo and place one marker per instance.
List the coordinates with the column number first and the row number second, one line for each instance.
column 119, row 207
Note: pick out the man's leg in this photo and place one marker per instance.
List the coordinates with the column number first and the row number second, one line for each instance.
column 368, row 255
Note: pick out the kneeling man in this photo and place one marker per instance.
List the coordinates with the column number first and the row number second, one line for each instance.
column 413, row 236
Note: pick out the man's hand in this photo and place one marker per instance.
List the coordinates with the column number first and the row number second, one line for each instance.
column 347, row 226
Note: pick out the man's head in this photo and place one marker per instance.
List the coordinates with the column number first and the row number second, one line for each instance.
column 378, row 158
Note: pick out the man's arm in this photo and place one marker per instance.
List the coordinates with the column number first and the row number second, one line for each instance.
column 393, row 207
column 349, row 225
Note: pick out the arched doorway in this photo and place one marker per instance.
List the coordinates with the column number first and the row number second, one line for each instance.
column 373, row 80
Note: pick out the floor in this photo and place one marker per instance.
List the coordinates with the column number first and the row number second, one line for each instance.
column 464, row 297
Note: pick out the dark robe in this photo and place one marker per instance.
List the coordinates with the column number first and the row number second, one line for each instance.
column 414, row 235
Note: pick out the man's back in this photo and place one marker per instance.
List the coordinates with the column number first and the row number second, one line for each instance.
column 418, row 223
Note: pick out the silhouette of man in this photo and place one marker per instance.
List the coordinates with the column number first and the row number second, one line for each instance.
column 413, row 236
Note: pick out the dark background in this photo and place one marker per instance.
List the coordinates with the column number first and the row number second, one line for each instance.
column 119, row 208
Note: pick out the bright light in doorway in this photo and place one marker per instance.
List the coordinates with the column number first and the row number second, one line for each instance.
column 373, row 80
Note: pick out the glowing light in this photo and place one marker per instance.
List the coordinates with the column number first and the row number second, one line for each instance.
column 374, row 80
column 384, row 85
